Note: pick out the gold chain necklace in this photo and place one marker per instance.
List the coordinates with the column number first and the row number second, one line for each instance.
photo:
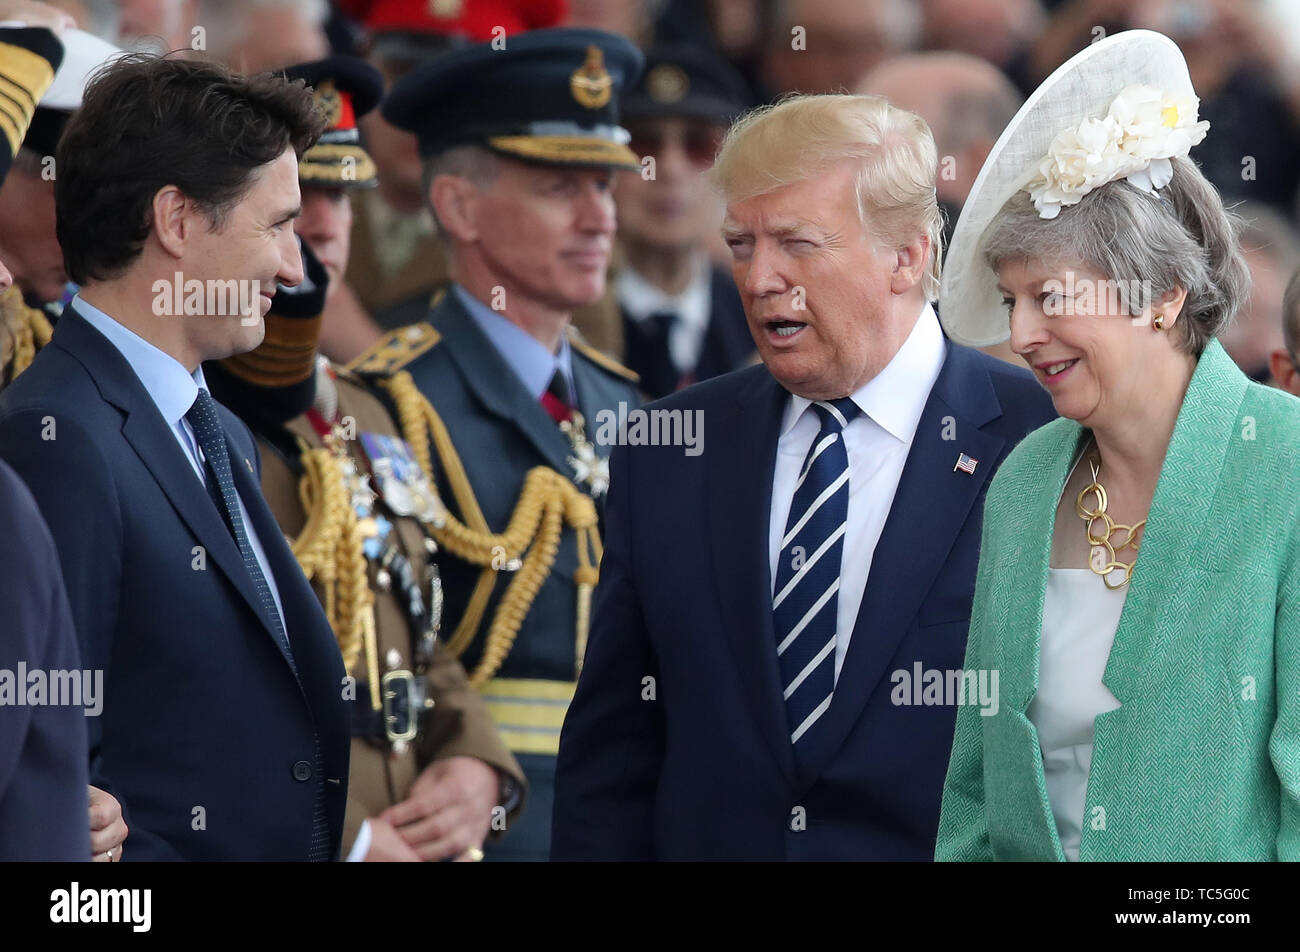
column 1102, row 559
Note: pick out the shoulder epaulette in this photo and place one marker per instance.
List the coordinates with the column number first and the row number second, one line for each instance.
column 600, row 358
column 28, row 58
column 342, row 373
column 395, row 350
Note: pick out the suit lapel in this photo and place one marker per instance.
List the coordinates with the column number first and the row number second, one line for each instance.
column 739, row 496
column 930, row 507
column 153, row 441
column 1207, row 423
column 1017, row 581
column 1022, row 573
column 496, row 386
column 270, row 535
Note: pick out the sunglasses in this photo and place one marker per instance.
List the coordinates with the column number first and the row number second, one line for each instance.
column 700, row 143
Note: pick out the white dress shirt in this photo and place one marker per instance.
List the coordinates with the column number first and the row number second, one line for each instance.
column 641, row 299
column 1080, row 618
column 877, row 444
column 173, row 390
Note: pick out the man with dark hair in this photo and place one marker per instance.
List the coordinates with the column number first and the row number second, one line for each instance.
column 420, row 733
column 224, row 731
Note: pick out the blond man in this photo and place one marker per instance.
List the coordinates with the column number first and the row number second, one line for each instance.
column 781, row 616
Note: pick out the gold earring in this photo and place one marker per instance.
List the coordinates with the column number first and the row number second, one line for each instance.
column 1159, row 322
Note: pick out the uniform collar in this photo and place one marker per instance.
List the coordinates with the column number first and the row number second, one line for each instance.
column 640, row 298
column 532, row 363
column 895, row 398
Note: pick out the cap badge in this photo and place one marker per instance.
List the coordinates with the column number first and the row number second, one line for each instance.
column 590, row 84
column 667, row 83
column 330, row 102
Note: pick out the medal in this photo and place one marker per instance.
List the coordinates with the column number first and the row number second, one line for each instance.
column 590, row 469
column 403, row 485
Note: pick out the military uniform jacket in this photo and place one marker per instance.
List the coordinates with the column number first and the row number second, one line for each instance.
column 500, row 432
column 459, row 724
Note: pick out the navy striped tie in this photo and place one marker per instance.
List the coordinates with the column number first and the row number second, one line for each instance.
column 808, row 574
column 202, row 416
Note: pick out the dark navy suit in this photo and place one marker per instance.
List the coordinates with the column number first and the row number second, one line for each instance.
column 206, row 737
column 43, row 796
column 676, row 745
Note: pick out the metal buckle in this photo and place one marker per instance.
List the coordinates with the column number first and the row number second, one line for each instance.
column 401, row 706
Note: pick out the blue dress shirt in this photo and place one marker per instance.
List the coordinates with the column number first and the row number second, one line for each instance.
column 532, row 363
column 173, row 390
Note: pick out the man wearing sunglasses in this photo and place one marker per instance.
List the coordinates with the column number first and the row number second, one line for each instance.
column 682, row 317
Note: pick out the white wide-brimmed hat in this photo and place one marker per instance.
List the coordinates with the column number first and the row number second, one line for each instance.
column 1121, row 108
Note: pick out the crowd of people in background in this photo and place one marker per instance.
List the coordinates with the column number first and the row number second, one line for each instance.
column 964, row 66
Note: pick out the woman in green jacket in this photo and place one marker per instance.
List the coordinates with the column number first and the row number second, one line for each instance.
column 1139, row 581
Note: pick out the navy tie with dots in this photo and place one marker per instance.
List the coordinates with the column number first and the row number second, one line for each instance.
column 202, row 416
column 806, row 600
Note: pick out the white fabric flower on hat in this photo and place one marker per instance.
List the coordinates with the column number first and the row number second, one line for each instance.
column 1078, row 161
column 1155, row 126
column 1141, row 131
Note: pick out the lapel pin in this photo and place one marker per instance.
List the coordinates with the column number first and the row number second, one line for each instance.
column 965, row 464
column 249, row 465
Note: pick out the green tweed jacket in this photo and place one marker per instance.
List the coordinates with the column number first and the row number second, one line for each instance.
column 1202, row 759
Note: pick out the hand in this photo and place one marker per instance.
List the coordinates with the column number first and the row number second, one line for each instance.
column 107, row 828
column 387, row 845
column 31, row 13
column 449, row 809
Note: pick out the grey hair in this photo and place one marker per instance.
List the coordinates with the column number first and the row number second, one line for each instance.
column 1291, row 318
column 481, row 166
column 1181, row 237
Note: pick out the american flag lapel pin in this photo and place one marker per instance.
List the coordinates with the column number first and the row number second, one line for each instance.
column 965, row 464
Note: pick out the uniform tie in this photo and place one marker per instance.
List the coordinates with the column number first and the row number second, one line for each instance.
column 649, row 354
column 202, row 416
column 808, row 574
column 557, row 400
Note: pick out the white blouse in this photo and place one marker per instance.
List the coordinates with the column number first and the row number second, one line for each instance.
column 1080, row 618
